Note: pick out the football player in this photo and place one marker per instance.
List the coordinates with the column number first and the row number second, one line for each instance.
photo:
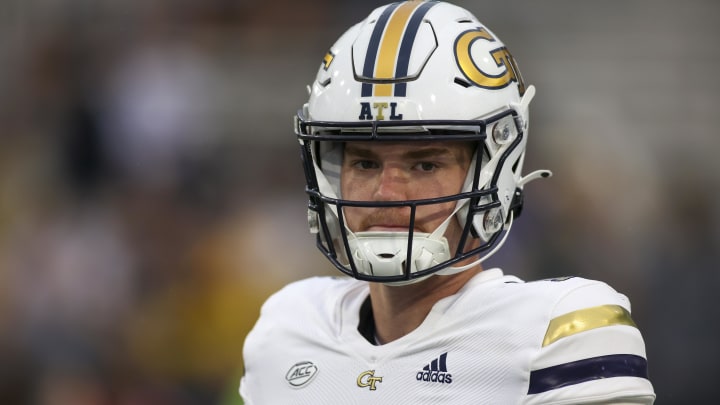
column 413, row 143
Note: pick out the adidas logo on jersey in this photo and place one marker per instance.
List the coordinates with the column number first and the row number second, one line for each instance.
column 436, row 371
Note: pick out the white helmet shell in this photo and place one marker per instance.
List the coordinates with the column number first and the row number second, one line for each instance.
column 433, row 60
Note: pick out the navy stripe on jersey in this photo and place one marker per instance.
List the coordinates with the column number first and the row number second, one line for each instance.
column 616, row 365
column 406, row 46
column 373, row 46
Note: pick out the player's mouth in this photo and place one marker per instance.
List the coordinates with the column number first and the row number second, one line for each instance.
column 388, row 221
column 388, row 228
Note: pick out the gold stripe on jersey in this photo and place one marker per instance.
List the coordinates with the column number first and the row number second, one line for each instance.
column 586, row 319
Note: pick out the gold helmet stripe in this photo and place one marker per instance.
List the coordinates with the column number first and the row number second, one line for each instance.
column 390, row 46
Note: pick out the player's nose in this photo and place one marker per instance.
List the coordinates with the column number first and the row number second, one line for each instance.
column 392, row 184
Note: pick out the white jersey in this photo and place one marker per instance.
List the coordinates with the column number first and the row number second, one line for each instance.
column 499, row 340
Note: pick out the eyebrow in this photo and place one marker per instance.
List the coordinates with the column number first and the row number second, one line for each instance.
column 423, row 153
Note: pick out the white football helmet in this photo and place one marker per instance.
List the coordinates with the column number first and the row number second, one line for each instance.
column 416, row 71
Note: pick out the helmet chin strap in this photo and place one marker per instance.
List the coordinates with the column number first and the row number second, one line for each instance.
column 397, row 242
column 385, row 253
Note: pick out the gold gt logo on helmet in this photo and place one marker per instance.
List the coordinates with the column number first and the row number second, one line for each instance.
column 501, row 56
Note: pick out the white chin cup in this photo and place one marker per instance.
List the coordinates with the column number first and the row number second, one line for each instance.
column 385, row 253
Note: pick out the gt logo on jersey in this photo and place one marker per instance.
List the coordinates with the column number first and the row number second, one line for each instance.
column 368, row 379
column 379, row 109
column 501, row 56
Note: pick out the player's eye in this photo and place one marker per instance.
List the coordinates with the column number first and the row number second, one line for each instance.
column 365, row 164
column 426, row 166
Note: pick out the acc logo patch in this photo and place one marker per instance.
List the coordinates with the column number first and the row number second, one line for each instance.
column 301, row 373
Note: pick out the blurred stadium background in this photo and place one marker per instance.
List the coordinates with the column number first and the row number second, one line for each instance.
column 151, row 194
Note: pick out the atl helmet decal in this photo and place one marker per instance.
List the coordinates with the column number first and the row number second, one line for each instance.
column 367, row 109
column 501, row 56
column 388, row 53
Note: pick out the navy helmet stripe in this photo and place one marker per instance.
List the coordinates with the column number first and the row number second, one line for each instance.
column 373, row 46
column 616, row 365
column 406, row 47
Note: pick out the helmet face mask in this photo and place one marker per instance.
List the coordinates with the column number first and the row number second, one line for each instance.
column 404, row 256
column 416, row 72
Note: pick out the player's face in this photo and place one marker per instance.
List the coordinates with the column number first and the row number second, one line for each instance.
column 373, row 171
